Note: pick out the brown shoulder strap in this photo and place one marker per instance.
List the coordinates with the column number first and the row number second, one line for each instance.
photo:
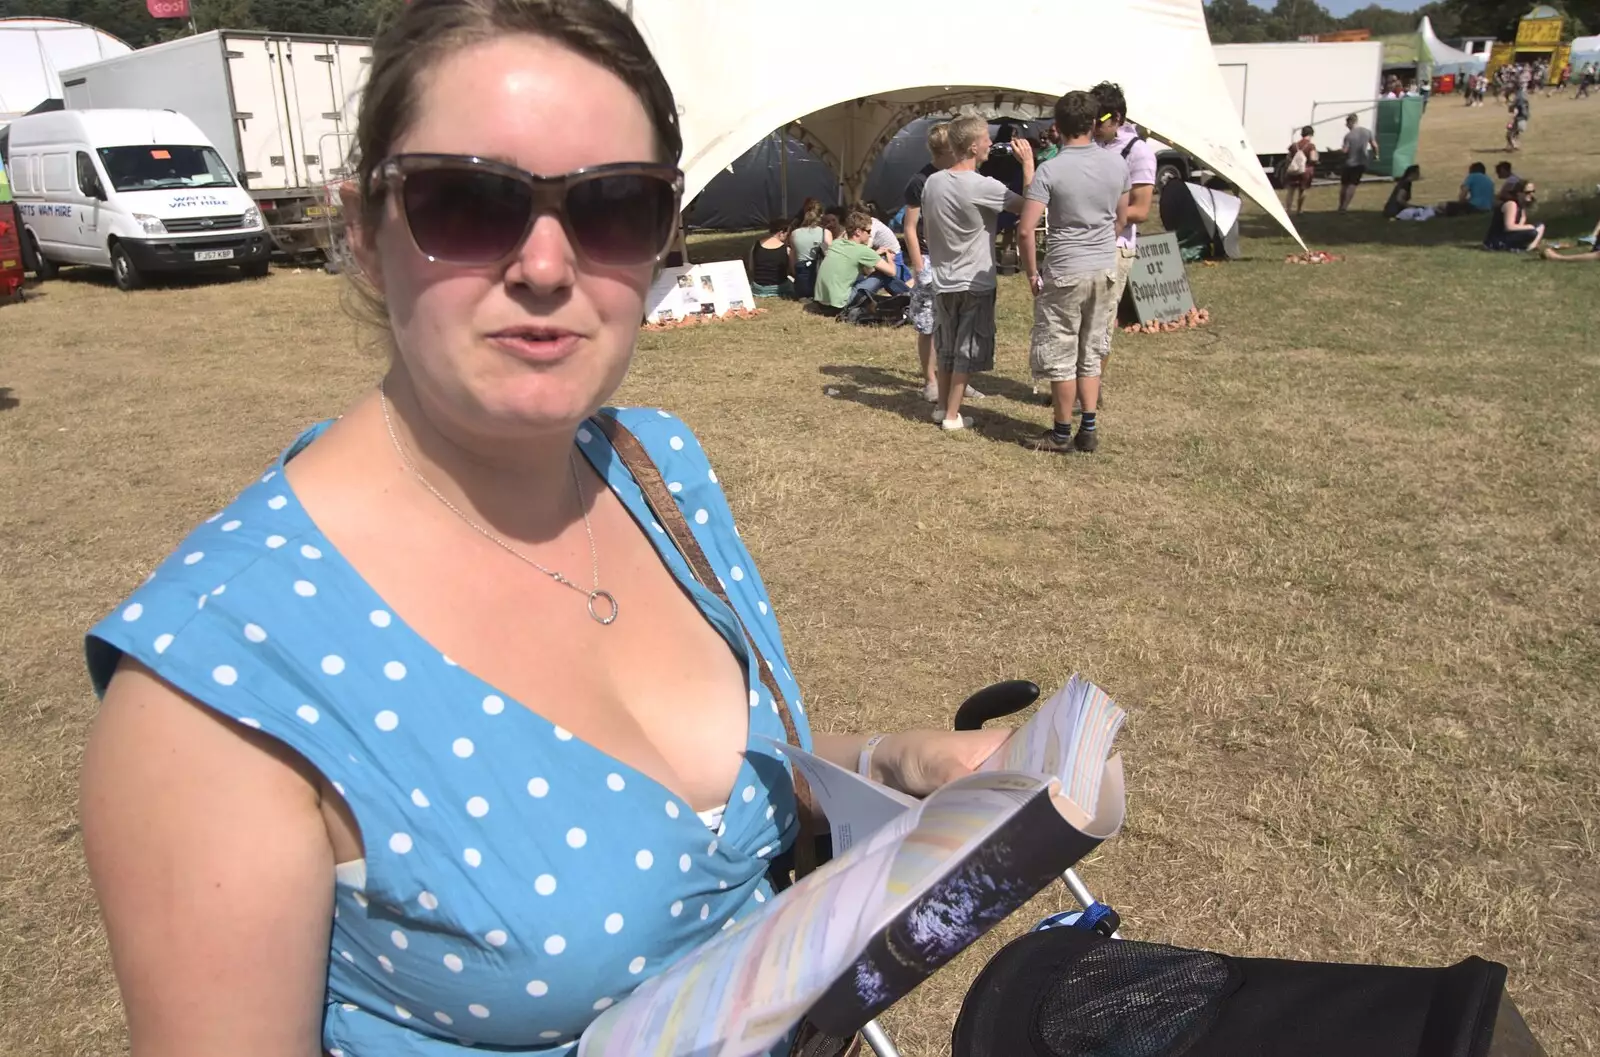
column 666, row 511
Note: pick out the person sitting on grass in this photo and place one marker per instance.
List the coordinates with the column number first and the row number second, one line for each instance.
column 768, row 262
column 1400, row 198
column 1509, row 228
column 851, row 268
column 808, row 240
column 1592, row 240
column 1477, row 194
column 884, row 242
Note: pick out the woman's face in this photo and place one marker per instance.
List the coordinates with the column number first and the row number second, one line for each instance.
column 537, row 344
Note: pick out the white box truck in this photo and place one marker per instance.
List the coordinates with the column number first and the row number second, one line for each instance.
column 280, row 107
column 1281, row 88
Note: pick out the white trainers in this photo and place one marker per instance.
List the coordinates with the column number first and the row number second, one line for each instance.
column 973, row 394
column 950, row 425
column 930, row 392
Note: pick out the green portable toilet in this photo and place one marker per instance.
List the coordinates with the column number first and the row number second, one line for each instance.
column 1399, row 128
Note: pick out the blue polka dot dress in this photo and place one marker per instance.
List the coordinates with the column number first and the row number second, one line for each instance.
column 517, row 880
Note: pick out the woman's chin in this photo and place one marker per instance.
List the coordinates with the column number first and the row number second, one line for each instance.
column 541, row 408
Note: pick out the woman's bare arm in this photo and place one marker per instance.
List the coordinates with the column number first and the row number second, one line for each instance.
column 214, row 873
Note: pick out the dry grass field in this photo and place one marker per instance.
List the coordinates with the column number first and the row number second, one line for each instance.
column 1337, row 555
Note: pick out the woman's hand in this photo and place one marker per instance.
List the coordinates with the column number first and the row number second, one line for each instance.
column 917, row 762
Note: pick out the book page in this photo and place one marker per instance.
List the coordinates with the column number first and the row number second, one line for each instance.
column 856, row 807
column 1069, row 739
column 954, row 821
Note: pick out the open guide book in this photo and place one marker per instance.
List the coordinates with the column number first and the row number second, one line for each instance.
column 912, row 884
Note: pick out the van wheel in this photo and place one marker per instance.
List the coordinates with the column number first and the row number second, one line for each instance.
column 1167, row 174
column 255, row 269
column 43, row 267
column 128, row 277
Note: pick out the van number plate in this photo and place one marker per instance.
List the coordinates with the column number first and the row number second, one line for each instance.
column 213, row 255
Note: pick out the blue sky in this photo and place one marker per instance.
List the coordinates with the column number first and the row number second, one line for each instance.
column 1344, row 7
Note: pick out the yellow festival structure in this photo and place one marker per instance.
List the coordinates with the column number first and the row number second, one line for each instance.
column 1542, row 34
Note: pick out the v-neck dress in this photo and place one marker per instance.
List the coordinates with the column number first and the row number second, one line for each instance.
column 517, row 880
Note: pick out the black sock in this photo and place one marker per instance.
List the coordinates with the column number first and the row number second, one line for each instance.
column 1063, row 430
column 1087, row 426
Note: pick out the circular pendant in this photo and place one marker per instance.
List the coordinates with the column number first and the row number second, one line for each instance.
column 607, row 614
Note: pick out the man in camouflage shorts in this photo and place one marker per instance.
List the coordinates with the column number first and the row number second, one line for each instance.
column 917, row 259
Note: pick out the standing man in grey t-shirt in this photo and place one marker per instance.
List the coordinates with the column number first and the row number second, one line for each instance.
column 1085, row 191
column 961, row 210
column 1360, row 151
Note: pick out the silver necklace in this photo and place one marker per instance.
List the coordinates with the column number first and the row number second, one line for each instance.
column 602, row 604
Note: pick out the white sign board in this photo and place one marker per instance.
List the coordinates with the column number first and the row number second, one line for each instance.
column 699, row 290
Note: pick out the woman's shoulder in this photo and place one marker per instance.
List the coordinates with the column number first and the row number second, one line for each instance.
column 662, row 434
column 261, row 537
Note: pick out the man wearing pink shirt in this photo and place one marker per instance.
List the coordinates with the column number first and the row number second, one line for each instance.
column 1112, row 132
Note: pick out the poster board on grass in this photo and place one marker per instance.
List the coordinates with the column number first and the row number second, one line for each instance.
column 713, row 289
column 1158, row 283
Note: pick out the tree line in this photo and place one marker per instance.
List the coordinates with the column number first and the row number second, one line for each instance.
column 1242, row 22
column 128, row 19
column 1230, row 21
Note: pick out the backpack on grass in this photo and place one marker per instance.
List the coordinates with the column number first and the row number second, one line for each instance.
column 876, row 311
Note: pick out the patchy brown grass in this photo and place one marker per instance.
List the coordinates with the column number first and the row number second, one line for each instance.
column 1337, row 555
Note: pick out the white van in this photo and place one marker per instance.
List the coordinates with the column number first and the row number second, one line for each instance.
column 136, row 191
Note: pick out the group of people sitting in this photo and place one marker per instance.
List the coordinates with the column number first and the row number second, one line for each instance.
column 830, row 258
column 1507, row 209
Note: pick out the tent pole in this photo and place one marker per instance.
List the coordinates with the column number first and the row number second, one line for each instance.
column 783, row 173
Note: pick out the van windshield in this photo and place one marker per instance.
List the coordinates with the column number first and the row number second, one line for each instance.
column 151, row 168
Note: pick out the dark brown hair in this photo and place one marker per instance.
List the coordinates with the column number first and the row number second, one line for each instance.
column 425, row 32
column 1108, row 98
column 1076, row 114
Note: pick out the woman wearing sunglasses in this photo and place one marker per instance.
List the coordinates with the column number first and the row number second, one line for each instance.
column 448, row 730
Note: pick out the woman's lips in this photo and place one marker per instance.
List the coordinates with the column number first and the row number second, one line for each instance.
column 536, row 345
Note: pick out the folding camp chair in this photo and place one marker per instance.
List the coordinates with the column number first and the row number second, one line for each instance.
column 1071, row 992
column 1066, row 990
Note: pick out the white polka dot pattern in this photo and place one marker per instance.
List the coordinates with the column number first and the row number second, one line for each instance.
column 294, row 645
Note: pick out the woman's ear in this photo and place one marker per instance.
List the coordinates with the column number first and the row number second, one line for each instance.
column 362, row 238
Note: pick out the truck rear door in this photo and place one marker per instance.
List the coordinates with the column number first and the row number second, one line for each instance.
column 266, row 147
column 319, row 108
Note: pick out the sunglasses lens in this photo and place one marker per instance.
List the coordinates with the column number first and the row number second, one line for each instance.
column 621, row 219
column 465, row 215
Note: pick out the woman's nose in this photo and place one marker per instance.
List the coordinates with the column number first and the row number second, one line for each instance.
column 547, row 261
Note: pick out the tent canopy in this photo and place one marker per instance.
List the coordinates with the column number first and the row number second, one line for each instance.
column 1443, row 56
column 34, row 51
column 846, row 106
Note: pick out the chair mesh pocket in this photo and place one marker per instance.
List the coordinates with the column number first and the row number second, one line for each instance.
column 1129, row 999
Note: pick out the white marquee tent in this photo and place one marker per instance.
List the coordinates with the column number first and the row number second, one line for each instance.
column 1008, row 56
column 1442, row 56
column 34, row 51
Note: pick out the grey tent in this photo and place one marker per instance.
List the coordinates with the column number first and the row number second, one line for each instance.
column 750, row 191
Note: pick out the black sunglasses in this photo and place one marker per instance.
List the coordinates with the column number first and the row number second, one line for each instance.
column 477, row 212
